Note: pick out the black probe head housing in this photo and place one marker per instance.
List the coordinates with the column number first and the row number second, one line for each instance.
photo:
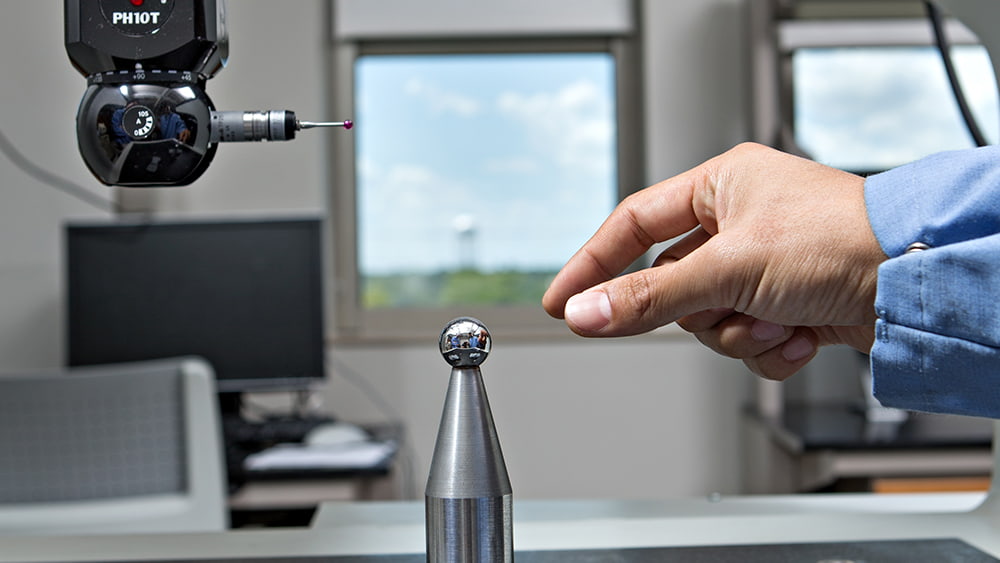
column 110, row 35
column 144, row 119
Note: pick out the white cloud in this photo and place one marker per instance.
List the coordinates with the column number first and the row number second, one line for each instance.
column 514, row 164
column 573, row 125
column 440, row 100
column 530, row 163
column 873, row 108
column 406, row 216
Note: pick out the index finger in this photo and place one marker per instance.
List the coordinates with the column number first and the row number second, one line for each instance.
column 647, row 217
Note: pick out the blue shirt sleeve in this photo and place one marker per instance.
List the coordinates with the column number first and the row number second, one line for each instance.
column 937, row 345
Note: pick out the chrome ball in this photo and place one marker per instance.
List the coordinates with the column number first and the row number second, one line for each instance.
column 465, row 342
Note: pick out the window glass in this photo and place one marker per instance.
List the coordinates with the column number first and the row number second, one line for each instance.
column 869, row 109
column 479, row 175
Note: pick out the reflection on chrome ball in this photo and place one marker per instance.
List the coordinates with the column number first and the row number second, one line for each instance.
column 465, row 342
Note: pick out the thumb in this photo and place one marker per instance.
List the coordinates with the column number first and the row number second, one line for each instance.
column 650, row 298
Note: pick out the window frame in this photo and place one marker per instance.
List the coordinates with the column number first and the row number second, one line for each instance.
column 350, row 320
column 778, row 29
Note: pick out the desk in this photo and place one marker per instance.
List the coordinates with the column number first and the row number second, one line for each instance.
column 819, row 446
column 289, row 497
column 397, row 528
column 292, row 501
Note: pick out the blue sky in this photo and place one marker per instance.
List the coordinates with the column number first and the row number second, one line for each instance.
column 874, row 108
column 521, row 147
column 518, row 146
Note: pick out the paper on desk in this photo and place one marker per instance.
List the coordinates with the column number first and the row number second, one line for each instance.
column 355, row 455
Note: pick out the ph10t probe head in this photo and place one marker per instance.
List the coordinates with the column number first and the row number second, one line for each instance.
column 145, row 119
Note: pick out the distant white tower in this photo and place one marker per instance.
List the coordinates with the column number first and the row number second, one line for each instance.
column 465, row 229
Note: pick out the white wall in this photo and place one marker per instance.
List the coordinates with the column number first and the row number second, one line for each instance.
column 653, row 416
column 636, row 418
column 276, row 62
column 39, row 93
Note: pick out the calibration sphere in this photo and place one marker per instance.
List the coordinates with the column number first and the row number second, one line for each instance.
column 465, row 342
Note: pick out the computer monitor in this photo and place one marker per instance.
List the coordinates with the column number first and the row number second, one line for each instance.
column 245, row 294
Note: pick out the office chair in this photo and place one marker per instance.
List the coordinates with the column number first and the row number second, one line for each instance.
column 122, row 448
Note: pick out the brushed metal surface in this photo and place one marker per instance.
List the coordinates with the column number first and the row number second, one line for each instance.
column 467, row 461
column 476, row 529
column 468, row 499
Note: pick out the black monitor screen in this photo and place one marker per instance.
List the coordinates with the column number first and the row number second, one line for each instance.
column 244, row 294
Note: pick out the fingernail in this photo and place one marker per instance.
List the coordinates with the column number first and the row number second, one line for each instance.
column 763, row 331
column 797, row 348
column 589, row 311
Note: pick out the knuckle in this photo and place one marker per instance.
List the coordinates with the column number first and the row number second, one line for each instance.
column 637, row 293
column 630, row 212
column 595, row 263
column 635, row 303
column 748, row 149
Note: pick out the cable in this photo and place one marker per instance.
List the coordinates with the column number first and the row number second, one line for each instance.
column 937, row 24
column 407, row 456
column 53, row 180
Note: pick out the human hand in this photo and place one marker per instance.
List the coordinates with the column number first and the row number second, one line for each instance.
column 780, row 260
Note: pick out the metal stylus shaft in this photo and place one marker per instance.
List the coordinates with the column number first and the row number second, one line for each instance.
column 267, row 125
column 346, row 124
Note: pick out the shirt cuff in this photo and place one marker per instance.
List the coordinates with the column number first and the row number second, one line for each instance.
column 942, row 199
column 923, row 371
column 937, row 340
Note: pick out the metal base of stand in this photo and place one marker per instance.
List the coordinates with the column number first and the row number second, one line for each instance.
column 489, row 516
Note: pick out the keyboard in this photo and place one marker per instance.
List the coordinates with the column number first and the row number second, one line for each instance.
column 254, row 434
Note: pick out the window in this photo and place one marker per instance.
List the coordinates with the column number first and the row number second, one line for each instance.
column 490, row 143
column 870, row 109
column 478, row 175
column 861, row 86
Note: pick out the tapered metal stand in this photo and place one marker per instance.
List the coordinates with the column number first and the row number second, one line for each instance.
column 468, row 496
